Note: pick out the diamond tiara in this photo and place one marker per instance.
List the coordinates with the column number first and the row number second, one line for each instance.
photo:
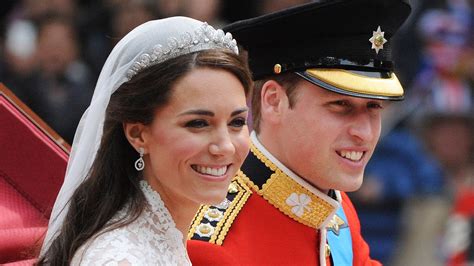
column 203, row 38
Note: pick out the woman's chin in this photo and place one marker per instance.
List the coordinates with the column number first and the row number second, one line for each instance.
column 215, row 199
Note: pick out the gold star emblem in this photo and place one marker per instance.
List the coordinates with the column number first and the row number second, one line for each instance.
column 336, row 224
column 378, row 40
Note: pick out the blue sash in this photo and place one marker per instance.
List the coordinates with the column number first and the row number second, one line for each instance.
column 339, row 239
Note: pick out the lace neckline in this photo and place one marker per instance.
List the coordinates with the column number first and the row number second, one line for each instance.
column 156, row 204
column 151, row 239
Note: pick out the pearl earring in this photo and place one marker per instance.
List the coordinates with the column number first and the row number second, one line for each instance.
column 139, row 163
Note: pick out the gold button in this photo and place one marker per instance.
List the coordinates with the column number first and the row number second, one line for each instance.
column 233, row 188
column 277, row 68
column 379, row 40
column 205, row 229
column 328, row 250
column 213, row 213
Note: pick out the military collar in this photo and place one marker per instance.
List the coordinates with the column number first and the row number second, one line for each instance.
column 285, row 190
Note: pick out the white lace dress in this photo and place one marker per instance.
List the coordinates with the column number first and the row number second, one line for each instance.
column 152, row 239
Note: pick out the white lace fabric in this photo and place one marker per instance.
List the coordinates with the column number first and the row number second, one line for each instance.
column 152, row 239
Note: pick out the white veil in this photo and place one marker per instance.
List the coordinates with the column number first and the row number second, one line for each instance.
column 150, row 43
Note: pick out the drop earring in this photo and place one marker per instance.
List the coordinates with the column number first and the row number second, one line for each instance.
column 139, row 163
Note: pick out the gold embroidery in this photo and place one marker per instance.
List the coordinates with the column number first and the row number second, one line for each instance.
column 242, row 193
column 237, row 203
column 197, row 220
column 280, row 189
column 263, row 158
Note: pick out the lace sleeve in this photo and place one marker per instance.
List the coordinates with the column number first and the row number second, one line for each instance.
column 123, row 247
column 152, row 239
column 112, row 248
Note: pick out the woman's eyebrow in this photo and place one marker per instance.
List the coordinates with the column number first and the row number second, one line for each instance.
column 197, row 112
column 239, row 111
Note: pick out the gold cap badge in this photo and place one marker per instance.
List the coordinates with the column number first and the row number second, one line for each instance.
column 378, row 40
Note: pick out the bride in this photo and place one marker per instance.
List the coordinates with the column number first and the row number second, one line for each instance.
column 165, row 131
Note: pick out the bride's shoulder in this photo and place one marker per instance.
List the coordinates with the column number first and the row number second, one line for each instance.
column 118, row 247
column 138, row 243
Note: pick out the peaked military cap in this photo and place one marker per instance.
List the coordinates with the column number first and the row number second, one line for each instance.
column 340, row 45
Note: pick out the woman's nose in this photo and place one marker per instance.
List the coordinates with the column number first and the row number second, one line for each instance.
column 222, row 144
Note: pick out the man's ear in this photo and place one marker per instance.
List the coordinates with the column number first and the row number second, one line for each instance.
column 274, row 101
column 135, row 134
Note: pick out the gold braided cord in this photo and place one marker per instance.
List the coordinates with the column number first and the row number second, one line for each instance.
column 224, row 224
column 197, row 220
column 237, row 204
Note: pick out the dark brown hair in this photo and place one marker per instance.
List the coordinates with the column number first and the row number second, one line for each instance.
column 288, row 81
column 113, row 182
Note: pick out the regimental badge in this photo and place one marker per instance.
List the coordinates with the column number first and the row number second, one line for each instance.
column 298, row 203
column 336, row 224
column 378, row 40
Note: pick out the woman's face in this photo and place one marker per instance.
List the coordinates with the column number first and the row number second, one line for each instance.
column 198, row 141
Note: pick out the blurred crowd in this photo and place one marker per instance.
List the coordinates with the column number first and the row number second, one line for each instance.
column 53, row 50
column 417, row 202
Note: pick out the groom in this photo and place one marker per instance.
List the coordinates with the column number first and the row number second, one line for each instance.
column 317, row 118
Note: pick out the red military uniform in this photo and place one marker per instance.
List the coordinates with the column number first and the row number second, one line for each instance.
column 273, row 217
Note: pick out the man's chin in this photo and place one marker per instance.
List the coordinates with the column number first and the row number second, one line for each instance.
column 352, row 184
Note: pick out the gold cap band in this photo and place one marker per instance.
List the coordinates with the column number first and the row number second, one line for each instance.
column 357, row 83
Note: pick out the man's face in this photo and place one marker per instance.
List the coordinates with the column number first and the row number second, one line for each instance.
column 328, row 138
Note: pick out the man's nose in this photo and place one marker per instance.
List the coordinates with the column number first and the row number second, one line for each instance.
column 363, row 128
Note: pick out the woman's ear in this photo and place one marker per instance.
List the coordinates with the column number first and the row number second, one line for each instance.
column 273, row 101
column 135, row 134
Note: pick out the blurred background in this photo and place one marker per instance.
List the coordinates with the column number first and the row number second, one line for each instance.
column 417, row 203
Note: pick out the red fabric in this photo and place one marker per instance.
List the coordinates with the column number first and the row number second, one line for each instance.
column 30, row 161
column 22, row 225
column 262, row 235
column 360, row 249
column 463, row 206
column 32, row 167
column 21, row 263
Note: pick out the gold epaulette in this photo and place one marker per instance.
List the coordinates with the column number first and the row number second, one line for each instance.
column 211, row 223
